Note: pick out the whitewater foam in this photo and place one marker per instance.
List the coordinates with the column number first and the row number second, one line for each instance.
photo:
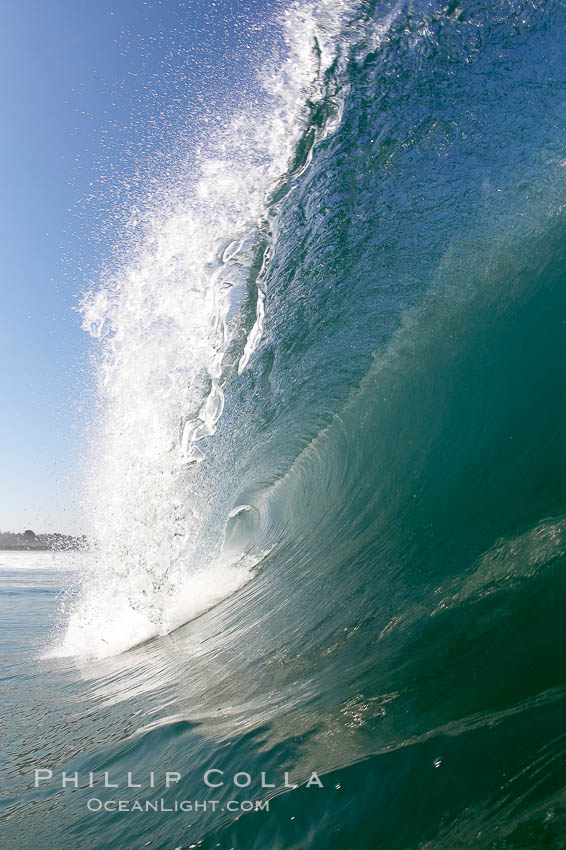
column 172, row 324
column 105, row 625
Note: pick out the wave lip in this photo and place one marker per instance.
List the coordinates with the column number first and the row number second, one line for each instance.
column 179, row 319
column 99, row 629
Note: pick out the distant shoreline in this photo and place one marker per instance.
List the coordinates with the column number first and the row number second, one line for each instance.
column 40, row 548
column 28, row 541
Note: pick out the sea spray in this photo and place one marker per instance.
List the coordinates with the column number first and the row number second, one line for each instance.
column 174, row 323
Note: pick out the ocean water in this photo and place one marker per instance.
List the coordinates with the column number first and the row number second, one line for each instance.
column 325, row 486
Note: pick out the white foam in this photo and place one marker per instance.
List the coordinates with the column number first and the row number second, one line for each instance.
column 165, row 320
column 105, row 625
column 30, row 560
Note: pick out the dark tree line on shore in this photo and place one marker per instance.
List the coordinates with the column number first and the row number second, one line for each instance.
column 30, row 540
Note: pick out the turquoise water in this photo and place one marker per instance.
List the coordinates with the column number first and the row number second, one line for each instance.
column 369, row 551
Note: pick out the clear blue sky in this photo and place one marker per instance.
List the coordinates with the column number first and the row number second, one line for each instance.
column 90, row 91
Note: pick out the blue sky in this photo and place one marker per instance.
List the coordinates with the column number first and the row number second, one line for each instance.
column 91, row 92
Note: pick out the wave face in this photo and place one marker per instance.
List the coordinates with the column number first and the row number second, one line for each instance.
column 179, row 321
column 332, row 422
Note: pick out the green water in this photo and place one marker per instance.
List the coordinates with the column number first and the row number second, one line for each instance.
column 400, row 440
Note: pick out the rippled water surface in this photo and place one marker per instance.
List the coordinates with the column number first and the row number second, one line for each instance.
column 327, row 488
